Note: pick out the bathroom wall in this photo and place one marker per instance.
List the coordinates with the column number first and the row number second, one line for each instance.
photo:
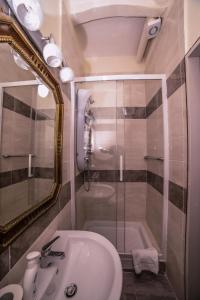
column 166, row 56
column 70, row 46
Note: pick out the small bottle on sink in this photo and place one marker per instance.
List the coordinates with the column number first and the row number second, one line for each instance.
column 30, row 275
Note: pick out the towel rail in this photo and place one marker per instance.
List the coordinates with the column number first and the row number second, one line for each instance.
column 153, row 158
column 16, row 155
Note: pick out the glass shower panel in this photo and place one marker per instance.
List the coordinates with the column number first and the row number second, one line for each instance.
column 125, row 201
column 96, row 209
column 143, row 171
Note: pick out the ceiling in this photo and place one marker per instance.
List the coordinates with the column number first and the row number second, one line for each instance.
column 118, row 36
column 108, row 28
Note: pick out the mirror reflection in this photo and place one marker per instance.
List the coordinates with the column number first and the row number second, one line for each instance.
column 27, row 125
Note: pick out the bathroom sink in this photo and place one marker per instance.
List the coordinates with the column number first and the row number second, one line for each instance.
column 98, row 191
column 91, row 269
column 11, row 292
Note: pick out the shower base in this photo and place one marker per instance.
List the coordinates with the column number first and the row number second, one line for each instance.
column 125, row 236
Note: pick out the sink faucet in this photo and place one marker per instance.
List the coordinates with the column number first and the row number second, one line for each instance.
column 47, row 254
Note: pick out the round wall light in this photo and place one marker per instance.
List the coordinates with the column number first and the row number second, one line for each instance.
column 43, row 91
column 29, row 13
column 52, row 55
column 19, row 61
column 66, row 74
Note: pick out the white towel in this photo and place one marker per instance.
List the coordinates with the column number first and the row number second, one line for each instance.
column 145, row 259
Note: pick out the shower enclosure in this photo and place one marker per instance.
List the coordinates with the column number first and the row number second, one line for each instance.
column 128, row 197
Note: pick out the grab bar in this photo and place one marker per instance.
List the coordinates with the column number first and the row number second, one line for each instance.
column 153, row 158
column 30, row 165
column 16, row 155
column 121, row 168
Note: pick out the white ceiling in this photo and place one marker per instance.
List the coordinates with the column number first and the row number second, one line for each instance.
column 118, row 36
column 77, row 6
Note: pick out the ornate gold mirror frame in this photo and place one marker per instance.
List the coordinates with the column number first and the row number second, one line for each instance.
column 12, row 34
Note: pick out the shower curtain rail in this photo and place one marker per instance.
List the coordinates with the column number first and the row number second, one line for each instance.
column 153, row 158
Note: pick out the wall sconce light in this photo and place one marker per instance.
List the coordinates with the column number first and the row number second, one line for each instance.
column 19, row 61
column 66, row 74
column 51, row 53
column 29, row 13
column 43, row 91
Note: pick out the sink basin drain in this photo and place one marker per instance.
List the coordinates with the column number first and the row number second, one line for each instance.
column 70, row 290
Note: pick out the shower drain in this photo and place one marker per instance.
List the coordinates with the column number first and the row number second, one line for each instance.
column 70, row 290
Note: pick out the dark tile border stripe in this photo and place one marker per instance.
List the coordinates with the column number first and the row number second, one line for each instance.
column 65, row 194
column 155, row 181
column 119, row 112
column 154, row 103
column 114, row 176
column 16, row 176
column 79, row 181
column 46, row 173
column 174, row 81
column 135, row 176
column 178, row 196
column 17, row 106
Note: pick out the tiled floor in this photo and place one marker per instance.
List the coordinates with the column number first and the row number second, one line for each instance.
column 146, row 287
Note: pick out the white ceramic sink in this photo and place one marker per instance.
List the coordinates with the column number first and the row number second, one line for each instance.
column 91, row 263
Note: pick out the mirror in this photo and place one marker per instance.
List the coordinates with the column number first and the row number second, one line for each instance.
column 30, row 135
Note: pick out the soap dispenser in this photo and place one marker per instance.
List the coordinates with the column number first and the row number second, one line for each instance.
column 30, row 275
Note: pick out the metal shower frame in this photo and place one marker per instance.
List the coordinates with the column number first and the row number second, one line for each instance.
column 162, row 78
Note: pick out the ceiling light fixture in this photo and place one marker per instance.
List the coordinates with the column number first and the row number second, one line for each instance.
column 20, row 62
column 29, row 13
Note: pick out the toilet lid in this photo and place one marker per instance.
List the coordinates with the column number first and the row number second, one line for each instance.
column 11, row 292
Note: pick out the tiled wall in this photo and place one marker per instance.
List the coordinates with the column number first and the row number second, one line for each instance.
column 165, row 56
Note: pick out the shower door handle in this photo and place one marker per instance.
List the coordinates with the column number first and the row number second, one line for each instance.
column 30, row 165
column 121, row 168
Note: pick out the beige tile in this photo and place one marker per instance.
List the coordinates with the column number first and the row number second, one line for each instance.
column 178, row 149
column 178, row 172
column 151, row 88
column 103, row 93
column 134, row 93
column 177, row 113
column 135, row 201
column 99, row 209
column 155, row 166
column 176, row 249
column 135, row 144
column 154, row 213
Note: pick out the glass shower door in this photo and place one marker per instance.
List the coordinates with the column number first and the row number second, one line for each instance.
column 96, row 209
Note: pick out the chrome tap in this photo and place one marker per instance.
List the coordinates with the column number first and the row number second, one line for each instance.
column 47, row 255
